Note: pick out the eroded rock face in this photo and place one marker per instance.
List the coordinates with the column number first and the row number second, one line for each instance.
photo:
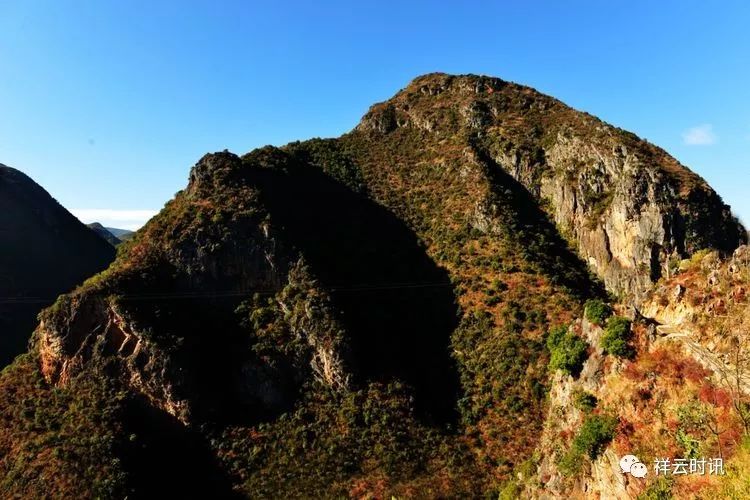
column 562, row 416
column 95, row 330
column 636, row 220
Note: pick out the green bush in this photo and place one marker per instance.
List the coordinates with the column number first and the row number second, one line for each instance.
column 567, row 350
column 556, row 336
column 596, row 432
column 584, row 401
column 617, row 336
column 571, row 463
column 597, row 311
column 660, row 489
column 510, row 491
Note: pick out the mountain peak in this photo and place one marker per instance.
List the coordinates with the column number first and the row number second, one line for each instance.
column 443, row 103
column 588, row 170
column 466, row 82
column 104, row 233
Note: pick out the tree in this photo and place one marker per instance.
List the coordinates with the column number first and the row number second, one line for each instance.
column 735, row 377
column 617, row 336
column 567, row 350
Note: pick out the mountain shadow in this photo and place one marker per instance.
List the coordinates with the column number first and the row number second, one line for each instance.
column 396, row 304
column 167, row 459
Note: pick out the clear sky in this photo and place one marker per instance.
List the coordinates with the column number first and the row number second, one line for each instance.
column 108, row 104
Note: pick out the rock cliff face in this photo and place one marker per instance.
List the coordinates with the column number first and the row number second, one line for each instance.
column 632, row 209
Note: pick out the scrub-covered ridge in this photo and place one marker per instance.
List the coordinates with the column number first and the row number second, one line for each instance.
column 394, row 312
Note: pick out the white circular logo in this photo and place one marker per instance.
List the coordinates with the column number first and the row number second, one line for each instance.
column 638, row 470
column 626, row 463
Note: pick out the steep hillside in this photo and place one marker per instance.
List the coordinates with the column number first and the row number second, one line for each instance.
column 339, row 303
column 45, row 252
column 386, row 313
column 680, row 390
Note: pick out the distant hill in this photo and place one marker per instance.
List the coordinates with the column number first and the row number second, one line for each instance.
column 45, row 251
column 105, row 233
column 121, row 234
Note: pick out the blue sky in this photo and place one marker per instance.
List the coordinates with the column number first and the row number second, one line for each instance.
column 108, row 104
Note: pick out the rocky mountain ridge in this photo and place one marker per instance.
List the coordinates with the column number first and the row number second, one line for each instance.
column 377, row 309
column 626, row 205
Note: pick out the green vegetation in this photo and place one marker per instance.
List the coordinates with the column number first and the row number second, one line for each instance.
column 659, row 489
column 567, row 350
column 584, row 401
column 511, row 491
column 370, row 434
column 617, row 336
column 329, row 156
column 53, row 441
column 596, row 432
column 597, row 311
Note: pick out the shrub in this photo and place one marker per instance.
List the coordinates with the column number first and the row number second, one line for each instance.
column 584, row 401
column 660, row 489
column 567, row 350
column 510, row 491
column 595, row 434
column 597, row 311
column 571, row 463
column 556, row 335
column 617, row 336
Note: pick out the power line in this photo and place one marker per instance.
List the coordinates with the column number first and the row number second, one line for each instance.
column 197, row 294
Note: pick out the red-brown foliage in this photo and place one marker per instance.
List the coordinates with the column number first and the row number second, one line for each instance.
column 665, row 363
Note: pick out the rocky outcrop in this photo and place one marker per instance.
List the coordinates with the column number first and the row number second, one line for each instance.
column 628, row 217
column 703, row 309
column 307, row 313
column 563, row 416
column 95, row 330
